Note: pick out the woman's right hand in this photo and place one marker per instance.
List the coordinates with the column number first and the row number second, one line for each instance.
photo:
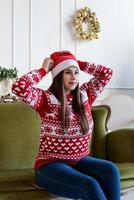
column 47, row 64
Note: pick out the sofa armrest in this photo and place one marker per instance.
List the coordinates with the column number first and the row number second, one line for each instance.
column 100, row 115
column 120, row 145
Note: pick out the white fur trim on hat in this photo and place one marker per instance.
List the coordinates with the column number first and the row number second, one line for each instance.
column 62, row 66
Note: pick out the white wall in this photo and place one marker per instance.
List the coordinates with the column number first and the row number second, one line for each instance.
column 31, row 30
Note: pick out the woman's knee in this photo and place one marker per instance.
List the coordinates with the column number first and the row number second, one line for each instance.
column 111, row 168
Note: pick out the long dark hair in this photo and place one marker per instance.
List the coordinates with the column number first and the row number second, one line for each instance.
column 57, row 89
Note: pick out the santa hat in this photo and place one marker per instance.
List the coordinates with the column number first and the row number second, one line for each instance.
column 62, row 60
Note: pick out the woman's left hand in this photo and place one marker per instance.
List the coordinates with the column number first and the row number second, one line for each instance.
column 47, row 64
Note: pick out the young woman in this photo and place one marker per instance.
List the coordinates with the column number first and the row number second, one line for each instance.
column 64, row 165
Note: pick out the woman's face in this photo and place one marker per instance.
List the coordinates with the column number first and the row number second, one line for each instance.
column 70, row 79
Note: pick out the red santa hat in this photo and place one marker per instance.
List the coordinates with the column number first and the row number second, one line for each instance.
column 62, row 60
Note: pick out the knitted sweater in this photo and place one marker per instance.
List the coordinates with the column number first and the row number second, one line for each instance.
column 56, row 144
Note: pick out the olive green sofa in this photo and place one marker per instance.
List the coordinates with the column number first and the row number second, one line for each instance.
column 116, row 146
column 19, row 143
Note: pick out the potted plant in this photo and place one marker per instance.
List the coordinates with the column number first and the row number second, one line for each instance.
column 7, row 77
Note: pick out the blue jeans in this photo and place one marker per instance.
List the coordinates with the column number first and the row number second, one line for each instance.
column 89, row 179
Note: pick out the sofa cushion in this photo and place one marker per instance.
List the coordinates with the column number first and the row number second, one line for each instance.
column 18, row 180
column 126, row 170
column 120, row 145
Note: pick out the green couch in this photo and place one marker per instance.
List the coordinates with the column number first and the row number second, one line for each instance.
column 116, row 146
column 19, row 141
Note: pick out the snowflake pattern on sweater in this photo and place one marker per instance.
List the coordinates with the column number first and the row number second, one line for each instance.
column 55, row 144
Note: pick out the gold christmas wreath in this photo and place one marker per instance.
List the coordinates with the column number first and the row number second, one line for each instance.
column 85, row 15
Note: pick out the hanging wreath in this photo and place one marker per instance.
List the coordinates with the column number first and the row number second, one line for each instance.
column 84, row 15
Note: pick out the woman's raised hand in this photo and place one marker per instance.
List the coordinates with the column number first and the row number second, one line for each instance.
column 47, row 64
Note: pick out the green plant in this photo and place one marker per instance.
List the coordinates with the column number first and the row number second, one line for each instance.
column 10, row 73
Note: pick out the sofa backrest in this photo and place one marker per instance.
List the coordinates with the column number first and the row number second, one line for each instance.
column 19, row 136
column 101, row 114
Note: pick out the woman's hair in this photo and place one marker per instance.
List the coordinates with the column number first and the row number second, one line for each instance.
column 57, row 89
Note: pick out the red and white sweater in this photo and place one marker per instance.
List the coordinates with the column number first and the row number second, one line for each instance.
column 55, row 144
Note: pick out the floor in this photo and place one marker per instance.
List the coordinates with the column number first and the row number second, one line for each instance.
column 129, row 196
